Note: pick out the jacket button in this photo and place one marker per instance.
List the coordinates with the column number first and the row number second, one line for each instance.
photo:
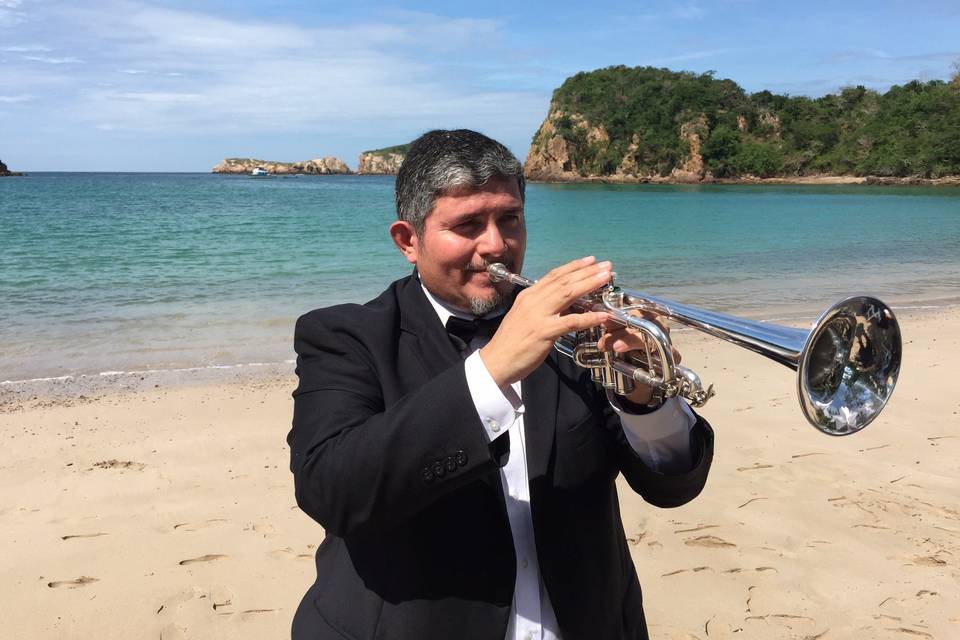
column 462, row 458
column 438, row 469
column 427, row 475
column 450, row 464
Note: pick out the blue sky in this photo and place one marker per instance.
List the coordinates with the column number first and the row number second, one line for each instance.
column 177, row 86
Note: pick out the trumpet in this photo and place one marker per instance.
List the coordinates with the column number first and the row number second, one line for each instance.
column 847, row 364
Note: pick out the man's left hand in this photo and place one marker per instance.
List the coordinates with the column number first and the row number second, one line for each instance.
column 621, row 339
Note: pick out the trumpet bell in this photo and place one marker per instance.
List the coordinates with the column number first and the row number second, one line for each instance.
column 848, row 367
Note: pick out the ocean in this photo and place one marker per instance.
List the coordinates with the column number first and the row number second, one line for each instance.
column 110, row 272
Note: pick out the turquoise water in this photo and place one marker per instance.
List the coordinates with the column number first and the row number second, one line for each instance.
column 105, row 272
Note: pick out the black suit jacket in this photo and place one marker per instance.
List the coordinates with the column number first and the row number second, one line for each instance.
column 389, row 455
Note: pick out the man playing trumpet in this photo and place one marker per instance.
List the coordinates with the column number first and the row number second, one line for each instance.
column 462, row 471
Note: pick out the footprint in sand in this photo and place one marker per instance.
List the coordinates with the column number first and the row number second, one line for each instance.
column 679, row 571
column 196, row 526
column 288, row 553
column 83, row 535
column 755, row 467
column 120, row 464
column 72, row 584
column 712, row 542
column 751, row 500
column 697, row 528
column 206, row 558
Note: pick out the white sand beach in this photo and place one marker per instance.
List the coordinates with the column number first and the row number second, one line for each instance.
column 169, row 511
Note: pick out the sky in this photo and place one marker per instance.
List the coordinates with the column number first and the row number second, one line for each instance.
column 117, row 85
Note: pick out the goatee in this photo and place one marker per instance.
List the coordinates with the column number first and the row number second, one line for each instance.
column 482, row 306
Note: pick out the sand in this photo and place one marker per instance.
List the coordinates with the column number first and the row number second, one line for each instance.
column 168, row 511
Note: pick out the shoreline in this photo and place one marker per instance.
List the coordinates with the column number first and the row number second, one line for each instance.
column 821, row 180
column 89, row 387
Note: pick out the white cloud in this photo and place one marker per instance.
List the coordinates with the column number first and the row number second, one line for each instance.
column 24, row 97
column 10, row 14
column 30, row 48
column 54, row 59
column 161, row 69
column 692, row 55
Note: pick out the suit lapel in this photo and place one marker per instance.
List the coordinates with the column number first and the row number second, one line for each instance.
column 425, row 335
column 428, row 340
column 539, row 392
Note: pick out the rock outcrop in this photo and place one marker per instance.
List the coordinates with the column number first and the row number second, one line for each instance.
column 570, row 148
column 318, row 166
column 552, row 157
column 385, row 161
column 4, row 171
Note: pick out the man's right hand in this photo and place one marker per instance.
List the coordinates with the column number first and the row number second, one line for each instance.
column 539, row 316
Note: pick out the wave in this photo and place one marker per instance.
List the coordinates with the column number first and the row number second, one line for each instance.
column 140, row 372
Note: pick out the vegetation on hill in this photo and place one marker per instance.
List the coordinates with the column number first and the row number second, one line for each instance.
column 647, row 115
column 400, row 149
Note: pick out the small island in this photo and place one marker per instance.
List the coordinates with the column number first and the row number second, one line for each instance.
column 318, row 166
column 5, row 172
column 643, row 124
column 384, row 161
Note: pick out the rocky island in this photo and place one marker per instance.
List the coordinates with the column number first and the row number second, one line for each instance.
column 643, row 124
column 318, row 166
column 384, row 161
column 4, row 171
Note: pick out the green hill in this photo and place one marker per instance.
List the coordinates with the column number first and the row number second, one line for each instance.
column 647, row 123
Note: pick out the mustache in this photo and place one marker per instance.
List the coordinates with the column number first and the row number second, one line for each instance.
column 482, row 265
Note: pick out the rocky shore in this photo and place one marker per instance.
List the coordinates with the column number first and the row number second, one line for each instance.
column 4, row 171
column 318, row 166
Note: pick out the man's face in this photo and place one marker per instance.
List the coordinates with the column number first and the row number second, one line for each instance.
column 465, row 232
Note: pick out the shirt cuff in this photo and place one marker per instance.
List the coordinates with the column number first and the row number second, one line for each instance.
column 494, row 409
column 660, row 438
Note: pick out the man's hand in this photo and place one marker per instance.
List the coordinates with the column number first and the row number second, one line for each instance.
column 539, row 316
column 621, row 339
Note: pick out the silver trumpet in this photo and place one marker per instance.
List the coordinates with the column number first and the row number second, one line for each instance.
column 847, row 364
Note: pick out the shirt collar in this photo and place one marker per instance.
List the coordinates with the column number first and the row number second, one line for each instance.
column 445, row 310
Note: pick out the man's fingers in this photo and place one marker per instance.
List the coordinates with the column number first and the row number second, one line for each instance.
column 570, row 267
column 564, row 291
column 581, row 321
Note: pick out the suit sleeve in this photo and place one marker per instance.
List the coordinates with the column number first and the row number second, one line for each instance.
column 663, row 488
column 361, row 466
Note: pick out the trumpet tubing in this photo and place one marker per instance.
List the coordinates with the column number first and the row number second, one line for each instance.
column 847, row 364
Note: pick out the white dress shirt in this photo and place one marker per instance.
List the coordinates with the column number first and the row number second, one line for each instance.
column 657, row 437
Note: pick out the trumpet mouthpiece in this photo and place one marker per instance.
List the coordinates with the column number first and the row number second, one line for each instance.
column 498, row 272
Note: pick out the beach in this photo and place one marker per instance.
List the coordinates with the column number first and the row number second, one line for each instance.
column 163, row 507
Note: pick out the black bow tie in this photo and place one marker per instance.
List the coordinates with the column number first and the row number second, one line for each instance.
column 463, row 331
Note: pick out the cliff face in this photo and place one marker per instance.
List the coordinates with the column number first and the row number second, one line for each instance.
column 568, row 147
column 377, row 164
column 384, row 161
column 317, row 166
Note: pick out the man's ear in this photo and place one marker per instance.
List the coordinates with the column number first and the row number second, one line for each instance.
column 406, row 240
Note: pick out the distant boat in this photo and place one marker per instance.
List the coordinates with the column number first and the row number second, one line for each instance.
column 259, row 171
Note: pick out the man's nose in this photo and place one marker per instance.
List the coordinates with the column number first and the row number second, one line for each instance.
column 491, row 242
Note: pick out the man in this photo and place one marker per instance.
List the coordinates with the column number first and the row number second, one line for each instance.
column 466, row 481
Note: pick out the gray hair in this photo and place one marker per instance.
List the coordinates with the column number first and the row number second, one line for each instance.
column 442, row 161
